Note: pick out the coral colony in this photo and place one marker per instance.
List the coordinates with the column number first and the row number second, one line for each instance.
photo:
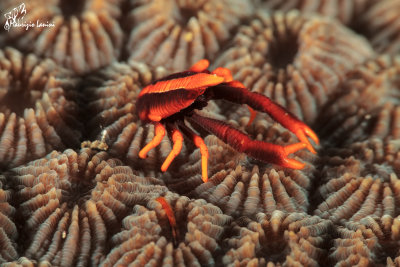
column 120, row 145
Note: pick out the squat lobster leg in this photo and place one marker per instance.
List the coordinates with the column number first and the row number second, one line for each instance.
column 159, row 135
column 236, row 92
column 177, row 140
column 200, row 65
column 257, row 149
column 171, row 218
column 198, row 142
column 170, row 100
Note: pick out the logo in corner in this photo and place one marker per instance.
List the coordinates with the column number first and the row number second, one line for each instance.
column 11, row 17
column 15, row 18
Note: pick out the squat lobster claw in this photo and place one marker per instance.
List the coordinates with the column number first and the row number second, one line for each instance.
column 170, row 100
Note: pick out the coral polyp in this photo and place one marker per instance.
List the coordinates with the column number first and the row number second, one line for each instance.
column 146, row 234
column 176, row 34
column 120, row 145
column 37, row 108
column 83, row 35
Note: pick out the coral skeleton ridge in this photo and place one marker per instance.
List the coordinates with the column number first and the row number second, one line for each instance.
column 114, row 117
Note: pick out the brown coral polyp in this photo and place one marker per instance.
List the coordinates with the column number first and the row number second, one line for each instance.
column 278, row 239
column 347, row 11
column 85, row 34
column 102, row 205
column 241, row 186
column 176, row 34
column 113, row 118
column 70, row 203
column 381, row 25
column 37, row 108
column 367, row 105
column 296, row 60
column 8, row 230
column 146, row 237
column 373, row 241
column 70, row 8
column 359, row 181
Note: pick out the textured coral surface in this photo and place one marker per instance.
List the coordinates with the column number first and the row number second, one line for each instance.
column 74, row 192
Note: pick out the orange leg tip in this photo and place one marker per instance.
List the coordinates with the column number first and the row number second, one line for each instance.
column 223, row 72
column 309, row 146
column 253, row 115
column 154, row 117
column 301, row 134
column 289, row 149
column 177, row 139
column 235, row 83
column 171, row 156
column 200, row 65
column 142, row 153
column 170, row 215
column 204, row 169
column 294, row 164
column 159, row 135
column 165, row 165
column 199, row 142
column 311, row 149
column 312, row 135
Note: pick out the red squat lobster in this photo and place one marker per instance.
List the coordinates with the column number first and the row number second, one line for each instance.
column 170, row 100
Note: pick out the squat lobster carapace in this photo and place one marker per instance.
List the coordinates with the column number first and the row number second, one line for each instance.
column 169, row 101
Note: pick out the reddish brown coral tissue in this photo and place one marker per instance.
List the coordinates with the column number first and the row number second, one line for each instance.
column 373, row 241
column 8, row 230
column 71, row 202
column 295, row 59
column 357, row 186
column 295, row 239
column 381, row 24
column 360, row 180
column 85, row 34
column 176, row 34
column 37, row 108
column 360, row 177
column 146, row 236
column 367, row 105
column 347, row 11
column 335, row 64
column 242, row 186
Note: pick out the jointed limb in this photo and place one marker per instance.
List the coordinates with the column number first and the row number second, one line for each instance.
column 177, row 140
column 198, row 142
column 159, row 135
column 235, row 92
column 171, row 218
column 263, row 151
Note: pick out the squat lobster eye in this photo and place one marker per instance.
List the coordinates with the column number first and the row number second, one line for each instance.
column 170, row 100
